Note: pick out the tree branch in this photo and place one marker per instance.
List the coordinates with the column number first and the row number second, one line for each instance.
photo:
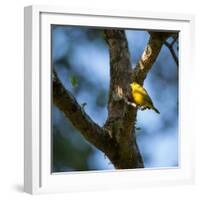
column 151, row 52
column 65, row 101
column 171, row 49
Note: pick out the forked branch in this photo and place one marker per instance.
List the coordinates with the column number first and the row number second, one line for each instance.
column 170, row 46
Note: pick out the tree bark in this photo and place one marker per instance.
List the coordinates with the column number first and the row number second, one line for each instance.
column 149, row 55
column 121, row 117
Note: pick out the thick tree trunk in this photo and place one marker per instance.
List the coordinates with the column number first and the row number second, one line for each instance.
column 121, row 119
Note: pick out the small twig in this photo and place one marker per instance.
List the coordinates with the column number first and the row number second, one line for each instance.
column 175, row 39
column 171, row 49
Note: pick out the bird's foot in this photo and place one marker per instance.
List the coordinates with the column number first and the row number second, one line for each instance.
column 143, row 108
column 130, row 103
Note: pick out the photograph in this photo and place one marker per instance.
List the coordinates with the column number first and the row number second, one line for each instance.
column 115, row 98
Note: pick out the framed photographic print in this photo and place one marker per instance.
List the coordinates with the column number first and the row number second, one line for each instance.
column 106, row 99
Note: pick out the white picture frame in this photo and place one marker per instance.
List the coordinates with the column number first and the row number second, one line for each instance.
column 37, row 139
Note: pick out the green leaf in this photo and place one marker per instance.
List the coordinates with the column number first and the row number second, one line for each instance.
column 74, row 81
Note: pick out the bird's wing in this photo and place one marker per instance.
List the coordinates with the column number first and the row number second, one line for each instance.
column 143, row 90
column 147, row 97
column 148, row 100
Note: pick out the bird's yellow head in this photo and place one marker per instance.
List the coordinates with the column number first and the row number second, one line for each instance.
column 134, row 85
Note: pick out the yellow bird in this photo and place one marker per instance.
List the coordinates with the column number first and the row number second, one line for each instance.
column 141, row 97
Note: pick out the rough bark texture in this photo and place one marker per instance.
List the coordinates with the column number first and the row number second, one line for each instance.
column 117, row 138
column 121, row 118
column 149, row 55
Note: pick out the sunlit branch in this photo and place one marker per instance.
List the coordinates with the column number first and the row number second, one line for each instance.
column 149, row 56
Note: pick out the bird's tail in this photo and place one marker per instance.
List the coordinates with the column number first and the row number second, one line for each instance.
column 156, row 110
